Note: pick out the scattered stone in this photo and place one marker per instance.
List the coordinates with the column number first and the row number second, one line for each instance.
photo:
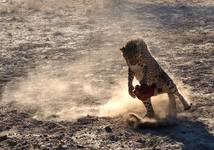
column 108, row 129
column 46, row 146
column 7, row 128
column 83, row 121
column 61, row 147
column 140, row 140
column 80, row 146
column 3, row 138
column 59, row 136
column 25, row 115
column 57, row 33
column 113, row 138
column 11, row 142
column 52, row 125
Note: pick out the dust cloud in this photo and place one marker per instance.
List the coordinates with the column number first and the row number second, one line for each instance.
column 66, row 95
column 53, row 92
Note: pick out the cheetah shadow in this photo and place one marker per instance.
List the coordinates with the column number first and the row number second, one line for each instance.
column 192, row 134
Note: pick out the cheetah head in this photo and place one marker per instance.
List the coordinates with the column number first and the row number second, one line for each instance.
column 130, row 52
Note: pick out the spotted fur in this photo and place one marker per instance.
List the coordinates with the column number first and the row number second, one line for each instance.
column 143, row 66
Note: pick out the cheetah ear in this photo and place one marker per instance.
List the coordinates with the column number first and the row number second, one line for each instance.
column 122, row 49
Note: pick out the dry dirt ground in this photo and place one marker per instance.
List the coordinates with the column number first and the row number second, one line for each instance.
column 60, row 60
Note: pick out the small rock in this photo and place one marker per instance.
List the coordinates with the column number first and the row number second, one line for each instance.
column 183, row 7
column 58, row 33
column 108, row 129
column 7, row 128
column 80, row 146
column 59, row 136
column 61, row 147
column 44, row 147
column 83, row 121
column 14, row 111
column 113, row 138
column 140, row 140
column 11, row 142
column 25, row 115
column 3, row 138
column 52, row 125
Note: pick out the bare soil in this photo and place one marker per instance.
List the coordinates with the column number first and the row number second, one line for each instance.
column 60, row 54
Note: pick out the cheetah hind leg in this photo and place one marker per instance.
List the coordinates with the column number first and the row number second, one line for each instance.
column 187, row 105
column 172, row 110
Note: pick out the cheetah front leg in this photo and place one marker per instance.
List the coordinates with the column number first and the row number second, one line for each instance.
column 130, row 81
column 173, row 89
column 147, row 103
column 149, row 108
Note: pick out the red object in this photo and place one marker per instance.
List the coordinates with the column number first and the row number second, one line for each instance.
column 143, row 92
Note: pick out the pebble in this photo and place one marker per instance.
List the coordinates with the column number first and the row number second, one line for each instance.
column 3, row 138
column 108, row 129
column 11, row 142
column 61, row 147
column 113, row 138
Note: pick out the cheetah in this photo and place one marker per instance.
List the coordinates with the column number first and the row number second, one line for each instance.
column 142, row 65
